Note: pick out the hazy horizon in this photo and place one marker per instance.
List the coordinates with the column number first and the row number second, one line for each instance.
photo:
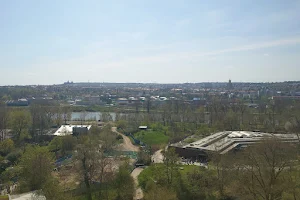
column 45, row 43
column 223, row 82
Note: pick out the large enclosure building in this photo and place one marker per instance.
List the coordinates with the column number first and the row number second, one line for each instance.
column 224, row 142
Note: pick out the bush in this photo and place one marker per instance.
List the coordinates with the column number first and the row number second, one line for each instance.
column 144, row 158
column 190, row 140
column 119, row 137
column 14, row 156
column 6, row 146
column 151, row 173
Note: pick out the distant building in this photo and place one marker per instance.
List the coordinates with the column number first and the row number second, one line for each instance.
column 229, row 85
column 297, row 93
column 285, row 99
column 142, row 98
column 41, row 100
column 19, row 102
column 68, row 83
column 79, row 130
column 208, row 85
column 122, row 101
column 199, row 101
column 93, row 100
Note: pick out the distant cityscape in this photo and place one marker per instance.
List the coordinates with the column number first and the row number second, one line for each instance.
column 131, row 94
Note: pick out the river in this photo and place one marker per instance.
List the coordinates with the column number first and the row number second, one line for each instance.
column 76, row 116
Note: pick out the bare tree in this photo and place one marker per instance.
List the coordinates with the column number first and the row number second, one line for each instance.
column 170, row 162
column 66, row 113
column 222, row 166
column 260, row 170
column 82, row 117
column 242, row 108
column 3, row 122
column 87, row 153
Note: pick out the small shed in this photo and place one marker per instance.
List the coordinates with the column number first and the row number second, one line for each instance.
column 143, row 127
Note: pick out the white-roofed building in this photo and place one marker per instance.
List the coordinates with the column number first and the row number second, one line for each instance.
column 71, row 129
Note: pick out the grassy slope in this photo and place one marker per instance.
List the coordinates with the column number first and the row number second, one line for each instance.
column 152, row 137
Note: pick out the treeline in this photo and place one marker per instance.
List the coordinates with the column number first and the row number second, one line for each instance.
column 178, row 119
column 32, row 122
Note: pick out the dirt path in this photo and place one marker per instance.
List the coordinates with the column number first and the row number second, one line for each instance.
column 127, row 144
column 157, row 157
column 138, row 191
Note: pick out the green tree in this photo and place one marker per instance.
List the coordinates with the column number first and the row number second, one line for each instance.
column 87, row 152
column 51, row 190
column 6, row 146
column 144, row 157
column 171, row 163
column 124, row 183
column 42, row 118
column 121, row 124
column 55, row 145
column 68, row 144
column 200, row 184
column 156, row 192
column 93, row 165
column 20, row 121
column 36, row 166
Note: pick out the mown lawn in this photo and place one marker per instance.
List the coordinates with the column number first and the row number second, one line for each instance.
column 184, row 169
column 155, row 171
column 152, row 137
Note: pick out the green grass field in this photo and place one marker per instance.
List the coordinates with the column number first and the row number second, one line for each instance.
column 152, row 137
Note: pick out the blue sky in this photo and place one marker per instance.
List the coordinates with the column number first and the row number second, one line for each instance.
column 170, row 41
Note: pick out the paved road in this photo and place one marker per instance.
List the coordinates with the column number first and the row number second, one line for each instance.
column 157, row 157
column 127, row 144
column 138, row 191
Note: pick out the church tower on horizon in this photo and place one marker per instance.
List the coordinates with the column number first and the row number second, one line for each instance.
column 229, row 85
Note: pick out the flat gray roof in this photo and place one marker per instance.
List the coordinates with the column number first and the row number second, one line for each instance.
column 225, row 141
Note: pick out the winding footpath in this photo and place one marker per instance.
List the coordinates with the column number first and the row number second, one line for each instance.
column 128, row 146
column 157, row 157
